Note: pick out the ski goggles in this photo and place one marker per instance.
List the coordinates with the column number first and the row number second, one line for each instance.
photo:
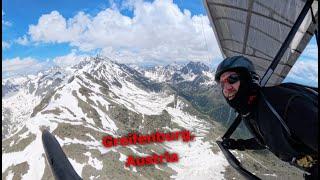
column 233, row 78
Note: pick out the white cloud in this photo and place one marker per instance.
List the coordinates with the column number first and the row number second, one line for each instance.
column 68, row 60
column 4, row 22
column 158, row 32
column 19, row 65
column 5, row 45
column 22, row 40
column 51, row 28
column 305, row 71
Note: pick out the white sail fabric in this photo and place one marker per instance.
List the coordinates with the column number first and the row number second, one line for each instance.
column 257, row 29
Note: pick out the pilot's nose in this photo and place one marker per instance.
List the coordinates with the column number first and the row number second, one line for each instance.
column 228, row 87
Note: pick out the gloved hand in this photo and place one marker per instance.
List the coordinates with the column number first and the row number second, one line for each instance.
column 314, row 173
column 233, row 144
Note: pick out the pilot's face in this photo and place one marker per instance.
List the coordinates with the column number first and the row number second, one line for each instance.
column 230, row 83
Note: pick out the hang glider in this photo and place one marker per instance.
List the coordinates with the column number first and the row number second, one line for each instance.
column 271, row 33
column 264, row 31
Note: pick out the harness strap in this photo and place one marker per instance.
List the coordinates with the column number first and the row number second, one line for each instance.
column 276, row 114
column 312, row 91
column 288, row 104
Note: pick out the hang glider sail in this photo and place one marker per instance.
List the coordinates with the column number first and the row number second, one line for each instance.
column 258, row 30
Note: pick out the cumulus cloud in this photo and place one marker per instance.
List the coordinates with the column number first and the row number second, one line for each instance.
column 5, row 45
column 68, row 60
column 50, row 28
column 19, row 65
column 305, row 71
column 158, row 32
column 22, row 40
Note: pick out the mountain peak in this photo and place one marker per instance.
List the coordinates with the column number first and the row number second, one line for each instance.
column 195, row 68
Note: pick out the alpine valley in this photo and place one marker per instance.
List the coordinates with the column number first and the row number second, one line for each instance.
column 98, row 97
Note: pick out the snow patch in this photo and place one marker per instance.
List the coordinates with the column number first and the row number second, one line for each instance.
column 77, row 166
column 94, row 162
column 10, row 175
column 123, row 157
column 197, row 161
column 32, row 154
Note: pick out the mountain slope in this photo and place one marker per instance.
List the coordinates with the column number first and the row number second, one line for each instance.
column 21, row 94
column 105, row 98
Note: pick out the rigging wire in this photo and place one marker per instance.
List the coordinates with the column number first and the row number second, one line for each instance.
column 204, row 35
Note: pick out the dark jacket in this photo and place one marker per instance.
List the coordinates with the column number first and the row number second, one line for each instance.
column 300, row 115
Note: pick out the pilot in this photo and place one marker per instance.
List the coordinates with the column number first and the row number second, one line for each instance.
column 282, row 118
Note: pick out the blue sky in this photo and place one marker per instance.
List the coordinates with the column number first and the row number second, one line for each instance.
column 40, row 34
column 21, row 14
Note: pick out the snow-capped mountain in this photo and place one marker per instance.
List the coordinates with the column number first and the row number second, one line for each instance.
column 161, row 73
column 102, row 97
column 21, row 94
column 98, row 97
column 176, row 73
column 195, row 68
